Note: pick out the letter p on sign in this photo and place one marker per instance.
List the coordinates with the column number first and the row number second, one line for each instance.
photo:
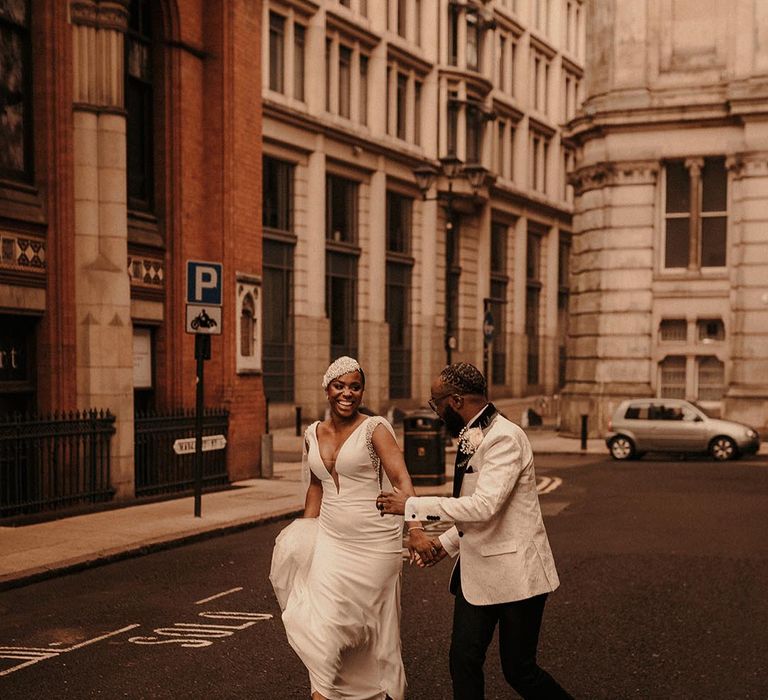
column 203, row 282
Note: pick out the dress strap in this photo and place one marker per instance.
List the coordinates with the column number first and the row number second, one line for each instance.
column 372, row 423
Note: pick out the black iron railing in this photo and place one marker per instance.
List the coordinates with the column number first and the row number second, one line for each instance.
column 159, row 469
column 54, row 462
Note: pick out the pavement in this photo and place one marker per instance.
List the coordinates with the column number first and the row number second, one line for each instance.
column 41, row 550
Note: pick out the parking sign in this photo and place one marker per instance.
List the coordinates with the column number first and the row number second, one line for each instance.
column 204, row 282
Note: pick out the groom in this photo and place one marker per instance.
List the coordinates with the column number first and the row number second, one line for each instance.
column 506, row 568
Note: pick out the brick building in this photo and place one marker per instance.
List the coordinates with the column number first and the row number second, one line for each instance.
column 126, row 149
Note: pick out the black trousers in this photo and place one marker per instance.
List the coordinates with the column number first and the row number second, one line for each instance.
column 519, row 623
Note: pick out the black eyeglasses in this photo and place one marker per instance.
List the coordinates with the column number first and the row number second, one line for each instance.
column 433, row 401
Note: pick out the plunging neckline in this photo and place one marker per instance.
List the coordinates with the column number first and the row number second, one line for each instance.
column 336, row 483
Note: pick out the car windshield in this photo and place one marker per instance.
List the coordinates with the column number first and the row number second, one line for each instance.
column 703, row 410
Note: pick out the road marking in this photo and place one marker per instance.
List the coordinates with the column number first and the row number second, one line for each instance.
column 33, row 655
column 218, row 595
column 548, row 484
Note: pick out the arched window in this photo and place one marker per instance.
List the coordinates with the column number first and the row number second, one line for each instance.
column 139, row 97
column 15, row 92
column 247, row 319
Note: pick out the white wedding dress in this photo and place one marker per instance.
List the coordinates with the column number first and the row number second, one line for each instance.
column 342, row 613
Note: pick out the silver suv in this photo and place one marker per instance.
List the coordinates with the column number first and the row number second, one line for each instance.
column 674, row 425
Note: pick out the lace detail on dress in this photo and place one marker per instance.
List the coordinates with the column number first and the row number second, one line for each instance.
column 373, row 423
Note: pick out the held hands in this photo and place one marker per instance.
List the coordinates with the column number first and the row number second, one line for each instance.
column 423, row 550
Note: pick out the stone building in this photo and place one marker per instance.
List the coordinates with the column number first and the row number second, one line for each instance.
column 365, row 104
column 126, row 149
column 669, row 291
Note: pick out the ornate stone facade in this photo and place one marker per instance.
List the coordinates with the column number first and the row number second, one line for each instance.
column 670, row 239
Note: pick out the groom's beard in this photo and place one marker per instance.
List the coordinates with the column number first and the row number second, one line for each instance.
column 454, row 423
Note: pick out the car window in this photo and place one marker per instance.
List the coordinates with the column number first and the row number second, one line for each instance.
column 655, row 412
column 637, row 413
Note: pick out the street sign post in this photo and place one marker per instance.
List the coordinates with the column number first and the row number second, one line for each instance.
column 186, row 446
column 203, row 318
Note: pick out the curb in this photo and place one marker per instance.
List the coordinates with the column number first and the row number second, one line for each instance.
column 38, row 574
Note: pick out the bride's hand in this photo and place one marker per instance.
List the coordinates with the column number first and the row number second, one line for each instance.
column 422, row 548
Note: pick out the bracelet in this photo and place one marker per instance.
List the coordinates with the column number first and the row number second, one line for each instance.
column 417, row 527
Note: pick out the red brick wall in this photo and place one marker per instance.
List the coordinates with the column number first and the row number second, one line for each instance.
column 213, row 155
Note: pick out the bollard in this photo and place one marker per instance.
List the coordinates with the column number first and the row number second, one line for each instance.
column 584, row 432
column 298, row 421
column 267, row 456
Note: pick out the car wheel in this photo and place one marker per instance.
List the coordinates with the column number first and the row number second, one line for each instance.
column 621, row 447
column 723, row 448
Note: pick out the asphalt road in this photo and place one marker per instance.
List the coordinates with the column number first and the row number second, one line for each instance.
column 663, row 566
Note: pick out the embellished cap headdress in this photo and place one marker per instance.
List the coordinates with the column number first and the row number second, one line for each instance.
column 465, row 378
column 340, row 367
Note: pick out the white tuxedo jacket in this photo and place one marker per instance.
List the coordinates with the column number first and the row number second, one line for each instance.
column 498, row 529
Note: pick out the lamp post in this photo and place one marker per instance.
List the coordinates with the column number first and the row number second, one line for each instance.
column 450, row 168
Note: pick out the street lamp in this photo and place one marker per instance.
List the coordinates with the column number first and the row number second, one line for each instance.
column 426, row 175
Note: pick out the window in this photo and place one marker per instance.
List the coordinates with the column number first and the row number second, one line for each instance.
column 501, row 58
column 363, row 90
column 696, row 213
column 417, row 113
column 398, row 290
column 402, row 94
column 533, row 305
column 540, row 81
column 328, row 52
column 563, row 302
column 345, row 84
column 673, row 329
column 276, row 52
column 710, row 330
column 276, row 194
column 277, row 326
column 501, row 159
column 474, row 142
column 341, row 302
column 711, row 379
column 143, row 369
column 452, row 282
column 473, row 42
column 417, row 13
column 453, row 122
column 299, row 59
column 498, row 302
column 399, row 210
column 538, row 162
column 672, row 380
column 453, row 34
column 247, row 318
column 15, row 107
column 139, row 98
column 569, row 160
column 341, row 210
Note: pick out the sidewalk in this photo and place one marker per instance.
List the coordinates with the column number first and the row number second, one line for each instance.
column 41, row 550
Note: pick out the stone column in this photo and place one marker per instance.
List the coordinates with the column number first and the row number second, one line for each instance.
column 102, row 289
column 747, row 396
column 312, row 328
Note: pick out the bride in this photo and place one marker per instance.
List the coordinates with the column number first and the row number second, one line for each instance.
column 342, row 616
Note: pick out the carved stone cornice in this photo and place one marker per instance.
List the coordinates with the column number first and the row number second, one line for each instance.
column 744, row 165
column 614, row 174
column 98, row 55
column 102, row 14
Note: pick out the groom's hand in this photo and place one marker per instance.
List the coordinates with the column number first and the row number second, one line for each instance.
column 392, row 503
column 436, row 557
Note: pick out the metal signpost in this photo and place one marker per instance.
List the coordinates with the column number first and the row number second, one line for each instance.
column 203, row 316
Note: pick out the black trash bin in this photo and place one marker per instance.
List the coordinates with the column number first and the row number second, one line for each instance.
column 424, row 447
